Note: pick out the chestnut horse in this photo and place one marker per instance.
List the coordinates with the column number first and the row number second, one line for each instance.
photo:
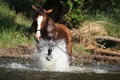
column 46, row 28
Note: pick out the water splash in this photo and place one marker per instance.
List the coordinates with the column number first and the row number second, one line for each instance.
column 16, row 66
column 58, row 62
column 59, row 58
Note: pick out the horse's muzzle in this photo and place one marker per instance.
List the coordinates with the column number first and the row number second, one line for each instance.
column 37, row 35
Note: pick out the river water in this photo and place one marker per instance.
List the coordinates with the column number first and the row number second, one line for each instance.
column 22, row 69
column 54, row 67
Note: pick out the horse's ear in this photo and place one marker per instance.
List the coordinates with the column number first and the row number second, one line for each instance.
column 48, row 11
column 34, row 8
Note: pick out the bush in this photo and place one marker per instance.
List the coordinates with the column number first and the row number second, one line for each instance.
column 75, row 13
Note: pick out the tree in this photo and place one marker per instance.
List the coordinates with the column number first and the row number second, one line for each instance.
column 58, row 9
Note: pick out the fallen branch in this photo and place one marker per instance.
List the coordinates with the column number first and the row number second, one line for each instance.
column 106, row 52
column 107, row 38
column 108, row 59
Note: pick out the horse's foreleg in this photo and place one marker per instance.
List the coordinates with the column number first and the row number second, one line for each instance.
column 49, row 57
column 49, row 51
column 50, row 46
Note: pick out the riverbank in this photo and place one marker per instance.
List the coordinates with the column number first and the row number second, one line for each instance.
column 17, row 52
column 77, row 58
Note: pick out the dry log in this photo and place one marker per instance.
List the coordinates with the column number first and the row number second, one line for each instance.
column 108, row 59
column 77, row 59
column 106, row 52
column 107, row 38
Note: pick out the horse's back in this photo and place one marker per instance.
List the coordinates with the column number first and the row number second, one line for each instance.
column 63, row 28
column 64, row 32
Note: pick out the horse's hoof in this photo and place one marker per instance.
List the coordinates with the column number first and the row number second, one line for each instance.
column 49, row 58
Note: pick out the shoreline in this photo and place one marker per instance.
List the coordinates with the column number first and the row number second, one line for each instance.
column 77, row 58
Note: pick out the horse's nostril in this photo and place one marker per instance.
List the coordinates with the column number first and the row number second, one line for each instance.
column 38, row 41
column 37, row 37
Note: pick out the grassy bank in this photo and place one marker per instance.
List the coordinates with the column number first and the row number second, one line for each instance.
column 100, row 24
column 13, row 27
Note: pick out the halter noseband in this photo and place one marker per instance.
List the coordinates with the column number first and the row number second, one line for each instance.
column 38, row 30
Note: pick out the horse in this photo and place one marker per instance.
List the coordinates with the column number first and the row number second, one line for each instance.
column 44, row 27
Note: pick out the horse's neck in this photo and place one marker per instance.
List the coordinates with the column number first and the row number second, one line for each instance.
column 51, row 25
column 49, row 30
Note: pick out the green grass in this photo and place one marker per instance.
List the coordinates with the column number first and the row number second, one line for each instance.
column 13, row 27
column 78, row 48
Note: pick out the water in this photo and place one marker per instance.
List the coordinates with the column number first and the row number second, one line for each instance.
column 10, row 74
column 58, row 68
column 22, row 69
column 58, row 60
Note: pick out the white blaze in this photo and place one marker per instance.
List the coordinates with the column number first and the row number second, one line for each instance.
column 39, row 21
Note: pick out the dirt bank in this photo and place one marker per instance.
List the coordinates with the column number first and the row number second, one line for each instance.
column 19, row 51
column 97, row 56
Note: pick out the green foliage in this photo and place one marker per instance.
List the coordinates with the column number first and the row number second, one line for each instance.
column 79, row 10
column 75, row 13
column 13, row 27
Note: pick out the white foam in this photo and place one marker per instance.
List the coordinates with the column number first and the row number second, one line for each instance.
column 16, row 66
column 59, row 60
column 78, row 69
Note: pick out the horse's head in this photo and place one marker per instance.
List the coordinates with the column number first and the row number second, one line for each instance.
column 41, row 20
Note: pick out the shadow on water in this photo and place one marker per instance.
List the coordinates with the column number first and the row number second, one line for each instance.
column 22, row 69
